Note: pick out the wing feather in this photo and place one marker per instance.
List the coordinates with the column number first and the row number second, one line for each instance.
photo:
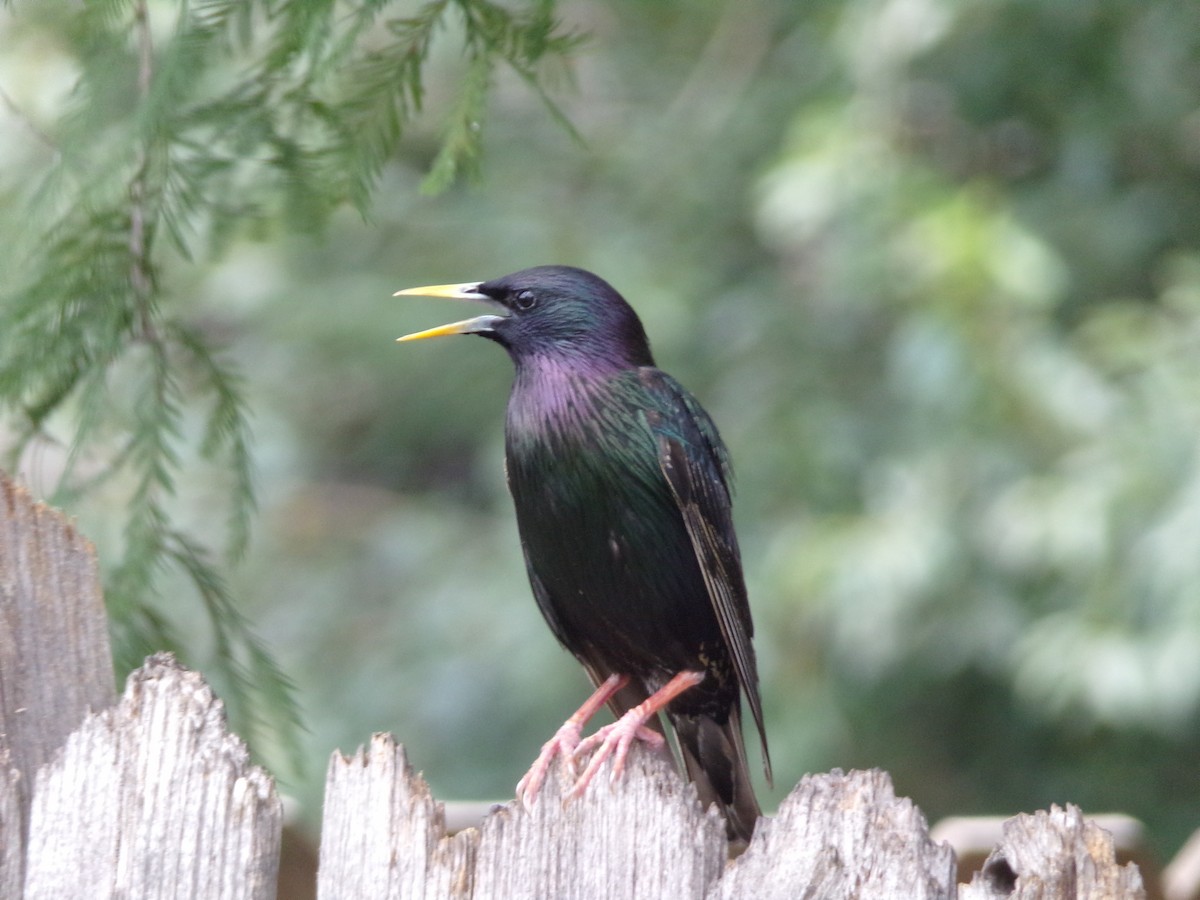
column 695, row 465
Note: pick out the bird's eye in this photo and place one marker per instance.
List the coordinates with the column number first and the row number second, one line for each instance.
column 525, row 300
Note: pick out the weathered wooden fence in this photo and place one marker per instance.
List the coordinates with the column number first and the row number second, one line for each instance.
column 150, row 796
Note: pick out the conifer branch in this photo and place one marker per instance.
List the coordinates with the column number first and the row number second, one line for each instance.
column 250, row 110
column 139, row 264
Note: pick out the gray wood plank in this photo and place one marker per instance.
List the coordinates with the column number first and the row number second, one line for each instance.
column 383, row 835
column 154, row 798
column 1055, row 855
column 644, row 837
column 842, row 835
column 12, row 842
column 55, row 659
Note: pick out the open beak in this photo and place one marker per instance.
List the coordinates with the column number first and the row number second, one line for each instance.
column 467, row 291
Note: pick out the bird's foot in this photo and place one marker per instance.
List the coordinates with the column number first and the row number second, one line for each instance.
column 563, row 744
column 565, row 741
column 615, row 740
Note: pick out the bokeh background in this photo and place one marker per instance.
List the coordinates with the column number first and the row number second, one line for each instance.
column 932, row 266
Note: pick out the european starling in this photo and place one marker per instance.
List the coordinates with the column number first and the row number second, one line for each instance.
column 622, row 492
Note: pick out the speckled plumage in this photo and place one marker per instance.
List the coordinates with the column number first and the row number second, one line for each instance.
column 622, row 492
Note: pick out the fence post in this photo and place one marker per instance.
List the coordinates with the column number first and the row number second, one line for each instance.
column 383, row 835
column 154, row 798
column 644, row 836
column 1053, row 855
column 55, row 659
column 842, row 835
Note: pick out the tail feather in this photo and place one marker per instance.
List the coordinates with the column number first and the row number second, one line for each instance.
column 715, row 757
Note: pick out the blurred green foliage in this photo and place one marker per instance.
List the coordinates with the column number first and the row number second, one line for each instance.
column 934, row 268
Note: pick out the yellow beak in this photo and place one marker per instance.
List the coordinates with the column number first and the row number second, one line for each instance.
column 465, row 291
column 466, row 326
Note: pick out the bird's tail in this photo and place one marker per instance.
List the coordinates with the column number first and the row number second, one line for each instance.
column 715, row 757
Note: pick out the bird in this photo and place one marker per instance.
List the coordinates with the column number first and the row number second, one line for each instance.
column 622, row 491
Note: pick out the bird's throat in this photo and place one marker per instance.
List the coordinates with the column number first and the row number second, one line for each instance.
column 552, row 397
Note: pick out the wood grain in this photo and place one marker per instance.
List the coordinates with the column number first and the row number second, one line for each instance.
column 154, row 798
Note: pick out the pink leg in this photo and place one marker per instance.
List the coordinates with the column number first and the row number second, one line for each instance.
column 615, row 739
column 566, row 739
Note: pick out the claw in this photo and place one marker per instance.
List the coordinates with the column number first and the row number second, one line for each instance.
column 612, row 740
column 615, row 740
column 563, row 744
column 566, row 741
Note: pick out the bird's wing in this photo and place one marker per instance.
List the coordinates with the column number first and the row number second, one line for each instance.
column 695, row 464
column 544, row 602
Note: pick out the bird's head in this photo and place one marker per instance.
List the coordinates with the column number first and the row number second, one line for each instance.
column 549, row 311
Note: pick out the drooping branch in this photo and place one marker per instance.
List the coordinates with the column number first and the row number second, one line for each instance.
column 140, row 280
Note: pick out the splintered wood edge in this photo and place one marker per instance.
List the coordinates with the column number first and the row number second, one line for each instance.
column 153, row 793
column 644, row 835
column 1054, row 853
column 842, row 835
column 383, row 834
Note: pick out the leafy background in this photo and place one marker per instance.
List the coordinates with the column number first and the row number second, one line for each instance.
column 933, row 266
